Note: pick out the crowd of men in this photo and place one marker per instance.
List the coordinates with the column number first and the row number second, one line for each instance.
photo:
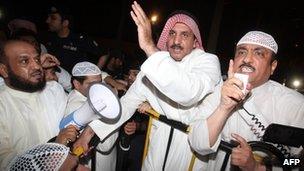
column 45, row 81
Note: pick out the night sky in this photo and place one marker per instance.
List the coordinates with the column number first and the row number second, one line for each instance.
column 109, row 22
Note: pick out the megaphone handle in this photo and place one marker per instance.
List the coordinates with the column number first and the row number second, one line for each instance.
column 78, row 151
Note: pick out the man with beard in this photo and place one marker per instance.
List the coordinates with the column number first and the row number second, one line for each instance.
column 236, row 114
column 30, row 108
column 174, row 79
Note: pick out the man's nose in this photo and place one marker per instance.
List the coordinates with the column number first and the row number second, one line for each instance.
column 35, row 64
column 47, row 20
column 248, row 58
column 177, row 39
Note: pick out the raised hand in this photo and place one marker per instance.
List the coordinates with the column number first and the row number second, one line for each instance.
column 144, row 29
column 231, row 93
column 48, row 60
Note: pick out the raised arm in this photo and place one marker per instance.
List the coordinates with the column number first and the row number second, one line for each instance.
column 144, row 30
column 230, row 96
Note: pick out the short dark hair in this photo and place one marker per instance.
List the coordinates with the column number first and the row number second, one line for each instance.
column 273, row 56
column 79, row 79
column 21, row 33
column 115, row 54
column 64, row 12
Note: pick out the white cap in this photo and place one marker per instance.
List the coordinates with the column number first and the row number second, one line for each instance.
column 259, row 38
column 48, row 156
column 85, row 69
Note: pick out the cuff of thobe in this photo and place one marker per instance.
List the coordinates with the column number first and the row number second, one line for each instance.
column 153, row 61
column 199, row 138
column 102, row 130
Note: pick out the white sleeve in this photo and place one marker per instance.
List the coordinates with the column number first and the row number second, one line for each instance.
column 108, row 143
column 129, row 104
column 1, row 81
column 185, row 87
column 199, row 138
column 199, row 133
column 7, row 151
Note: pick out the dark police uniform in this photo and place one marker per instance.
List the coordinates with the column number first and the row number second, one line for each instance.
column 73, row 49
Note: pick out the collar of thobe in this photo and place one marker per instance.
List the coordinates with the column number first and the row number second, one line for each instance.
column 22, row 94
column 187, row 57
column 78, row 94
column 260, row 89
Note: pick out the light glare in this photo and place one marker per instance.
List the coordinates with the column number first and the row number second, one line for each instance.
column 296, row 83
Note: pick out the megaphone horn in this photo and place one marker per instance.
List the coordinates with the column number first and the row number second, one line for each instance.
column 102, row 103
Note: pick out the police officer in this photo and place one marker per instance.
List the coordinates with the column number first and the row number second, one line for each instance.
column 70, row 48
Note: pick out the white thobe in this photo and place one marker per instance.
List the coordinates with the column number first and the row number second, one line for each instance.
column 27, row 119
column 174, row 89
column 106, row 150
column 1, row 82
column 271, row 102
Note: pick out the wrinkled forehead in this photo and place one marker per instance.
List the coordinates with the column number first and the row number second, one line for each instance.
column 15, row 49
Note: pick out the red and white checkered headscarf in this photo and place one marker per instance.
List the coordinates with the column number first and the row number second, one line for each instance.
column 179, row 18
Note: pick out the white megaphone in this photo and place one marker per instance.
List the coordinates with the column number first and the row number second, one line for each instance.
column 102, row 103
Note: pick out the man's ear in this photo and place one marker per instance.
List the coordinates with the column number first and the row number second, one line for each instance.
column 3, row 70
column 195, row 43
column 274, row 65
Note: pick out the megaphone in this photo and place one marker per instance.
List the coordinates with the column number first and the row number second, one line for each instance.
column 102, row 103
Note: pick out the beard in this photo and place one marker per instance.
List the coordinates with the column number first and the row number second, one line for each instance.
column 22, row 84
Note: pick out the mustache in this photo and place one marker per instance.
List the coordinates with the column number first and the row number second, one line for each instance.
column 176, row 46
column 36, row 72
column 247, row 65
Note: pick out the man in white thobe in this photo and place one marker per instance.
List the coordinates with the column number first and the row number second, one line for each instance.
column 177, row 75
column 231, row 107
column 30, row 108
column 84, row 74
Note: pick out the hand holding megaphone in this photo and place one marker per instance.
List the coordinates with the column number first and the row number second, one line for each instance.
column 102, row 103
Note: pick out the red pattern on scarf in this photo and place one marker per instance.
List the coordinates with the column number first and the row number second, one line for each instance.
column 179, row 18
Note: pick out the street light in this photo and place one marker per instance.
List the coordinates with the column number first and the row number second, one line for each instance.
column 296, row 83
column 154, row 18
